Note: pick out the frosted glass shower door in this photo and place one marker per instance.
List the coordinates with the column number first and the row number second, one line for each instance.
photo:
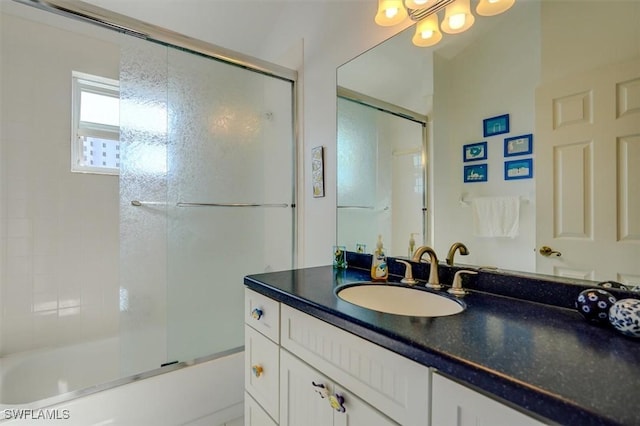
column 229, row 190
column 201, row 141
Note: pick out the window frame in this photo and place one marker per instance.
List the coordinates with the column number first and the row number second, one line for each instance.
column 83, row 82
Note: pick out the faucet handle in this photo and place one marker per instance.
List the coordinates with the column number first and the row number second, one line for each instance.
column 456, row 289
column 408, row 274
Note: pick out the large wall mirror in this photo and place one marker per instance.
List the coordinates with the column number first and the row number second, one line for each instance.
column 567, row 74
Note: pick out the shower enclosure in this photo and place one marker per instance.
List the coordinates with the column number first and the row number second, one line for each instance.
column 381, row 176
column 150, row 259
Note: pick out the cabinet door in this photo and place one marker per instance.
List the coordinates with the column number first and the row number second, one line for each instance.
column 301, row 402
column 456, row 405
column 305, row 399
column 254, row 415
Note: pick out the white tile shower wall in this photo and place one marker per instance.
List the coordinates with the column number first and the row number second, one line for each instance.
column 59, row 230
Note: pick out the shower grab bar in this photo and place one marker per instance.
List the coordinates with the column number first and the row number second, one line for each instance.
column 181, row 204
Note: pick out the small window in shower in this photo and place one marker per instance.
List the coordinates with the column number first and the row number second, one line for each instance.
column 95, row 144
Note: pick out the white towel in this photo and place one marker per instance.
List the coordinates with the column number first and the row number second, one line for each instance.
column 496, row 216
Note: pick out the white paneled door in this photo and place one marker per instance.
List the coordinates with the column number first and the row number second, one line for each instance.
column 588, row 175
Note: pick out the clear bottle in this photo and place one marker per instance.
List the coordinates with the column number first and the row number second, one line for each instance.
column 379, row 268
column 412, row 245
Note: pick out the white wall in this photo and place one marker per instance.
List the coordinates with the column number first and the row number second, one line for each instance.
column 59, row 232
column 495, row 75
column 571, row 45
column 313, row 37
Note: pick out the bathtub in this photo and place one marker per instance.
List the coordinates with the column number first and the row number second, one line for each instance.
column 80, row 385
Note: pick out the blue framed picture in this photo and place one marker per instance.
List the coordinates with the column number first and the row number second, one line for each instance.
column 495, row 125
column 518, row 169
column 474, row 151
column 475, row 173
column 518, row 145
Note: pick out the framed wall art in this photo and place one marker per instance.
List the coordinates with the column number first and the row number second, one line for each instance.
column 518, row 145
column 495, row 125
column 317, row 171
column 474, row 151
column 518, row 169
column 475, row 173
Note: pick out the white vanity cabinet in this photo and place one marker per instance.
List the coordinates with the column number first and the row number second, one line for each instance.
column 457, row 405
column 301, row 371
column 304, row 350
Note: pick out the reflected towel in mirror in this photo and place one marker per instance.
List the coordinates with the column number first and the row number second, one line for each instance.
column 496, row 216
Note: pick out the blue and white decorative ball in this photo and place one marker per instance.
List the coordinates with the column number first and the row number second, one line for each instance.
column 624, row 315
column 594, row 304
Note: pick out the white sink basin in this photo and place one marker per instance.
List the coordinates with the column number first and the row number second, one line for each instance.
column 399, row 300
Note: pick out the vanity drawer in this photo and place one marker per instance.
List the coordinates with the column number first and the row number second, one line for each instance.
column 395, row 385
column 263, row 314
column 262, row 370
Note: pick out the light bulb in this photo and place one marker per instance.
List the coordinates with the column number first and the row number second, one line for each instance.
column 493, row 7
column 457, row 17
column 426, row 34
column 391, row 12
column 417, row 4
column 456, row 21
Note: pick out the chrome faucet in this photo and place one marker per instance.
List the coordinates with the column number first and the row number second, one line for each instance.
column 434, row 281
column 452, row 252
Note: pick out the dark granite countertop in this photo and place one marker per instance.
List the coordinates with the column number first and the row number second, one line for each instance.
column 544, row 359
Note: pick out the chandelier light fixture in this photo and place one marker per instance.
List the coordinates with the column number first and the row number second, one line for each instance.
column 457, row 16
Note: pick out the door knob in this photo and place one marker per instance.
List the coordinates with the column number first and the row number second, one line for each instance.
column 547, row 251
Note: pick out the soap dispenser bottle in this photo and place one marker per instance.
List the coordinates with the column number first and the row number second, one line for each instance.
column 379, row 268
column 412, row 245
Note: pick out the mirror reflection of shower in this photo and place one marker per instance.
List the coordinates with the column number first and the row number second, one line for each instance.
column 384, row 148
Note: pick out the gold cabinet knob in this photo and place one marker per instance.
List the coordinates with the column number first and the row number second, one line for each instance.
column 257, row 370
